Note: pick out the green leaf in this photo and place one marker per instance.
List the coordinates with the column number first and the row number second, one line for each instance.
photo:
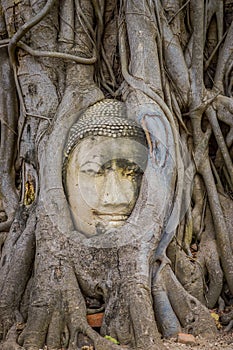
column 113, row 340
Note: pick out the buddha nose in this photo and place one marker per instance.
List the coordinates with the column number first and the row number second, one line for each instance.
column 113, row 192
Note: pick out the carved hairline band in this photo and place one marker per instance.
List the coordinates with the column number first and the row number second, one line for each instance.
column 105, row 118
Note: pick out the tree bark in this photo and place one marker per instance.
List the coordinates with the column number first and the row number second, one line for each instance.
column 153, row 276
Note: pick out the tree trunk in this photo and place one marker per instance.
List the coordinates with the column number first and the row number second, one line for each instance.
column 170, row 64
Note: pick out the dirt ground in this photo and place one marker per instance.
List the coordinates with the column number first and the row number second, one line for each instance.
column 222, row 341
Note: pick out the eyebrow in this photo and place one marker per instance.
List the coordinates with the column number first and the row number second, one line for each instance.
column 89, row 162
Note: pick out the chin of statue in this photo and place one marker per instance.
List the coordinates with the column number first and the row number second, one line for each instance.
column 113, row 222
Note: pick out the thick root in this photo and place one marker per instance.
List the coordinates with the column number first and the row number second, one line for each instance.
column 193, row 316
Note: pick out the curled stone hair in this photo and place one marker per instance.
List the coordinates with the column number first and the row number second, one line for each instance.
column 105, row 118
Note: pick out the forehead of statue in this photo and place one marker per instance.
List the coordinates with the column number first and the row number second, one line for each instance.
column 102, row 149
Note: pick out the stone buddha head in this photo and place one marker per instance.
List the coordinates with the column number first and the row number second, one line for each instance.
column 105, row 157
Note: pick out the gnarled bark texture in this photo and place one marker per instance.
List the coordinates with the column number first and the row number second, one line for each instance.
column 170, row 61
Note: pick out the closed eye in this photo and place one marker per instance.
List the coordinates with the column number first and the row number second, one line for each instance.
column 89, row 171
column 90, row 168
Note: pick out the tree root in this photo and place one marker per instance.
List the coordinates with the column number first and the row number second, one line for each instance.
column 221, row 142
column 140, row 85
column 166, row 318
column 226, row 318
column 175, row 308
column 8, row 112
column 204, row 168
column 222, row 234
column 229, row 326
column 189, row 272
column 224, row 55
column 10, row 343
column 26, row 27
column 6, row 225
column 57, row 303
column 209, row 257
column 192, row 315
column 60, row 55
column 180, row 9
column 16, row 265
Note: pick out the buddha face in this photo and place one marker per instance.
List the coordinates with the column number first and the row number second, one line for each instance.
column 103, row 182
